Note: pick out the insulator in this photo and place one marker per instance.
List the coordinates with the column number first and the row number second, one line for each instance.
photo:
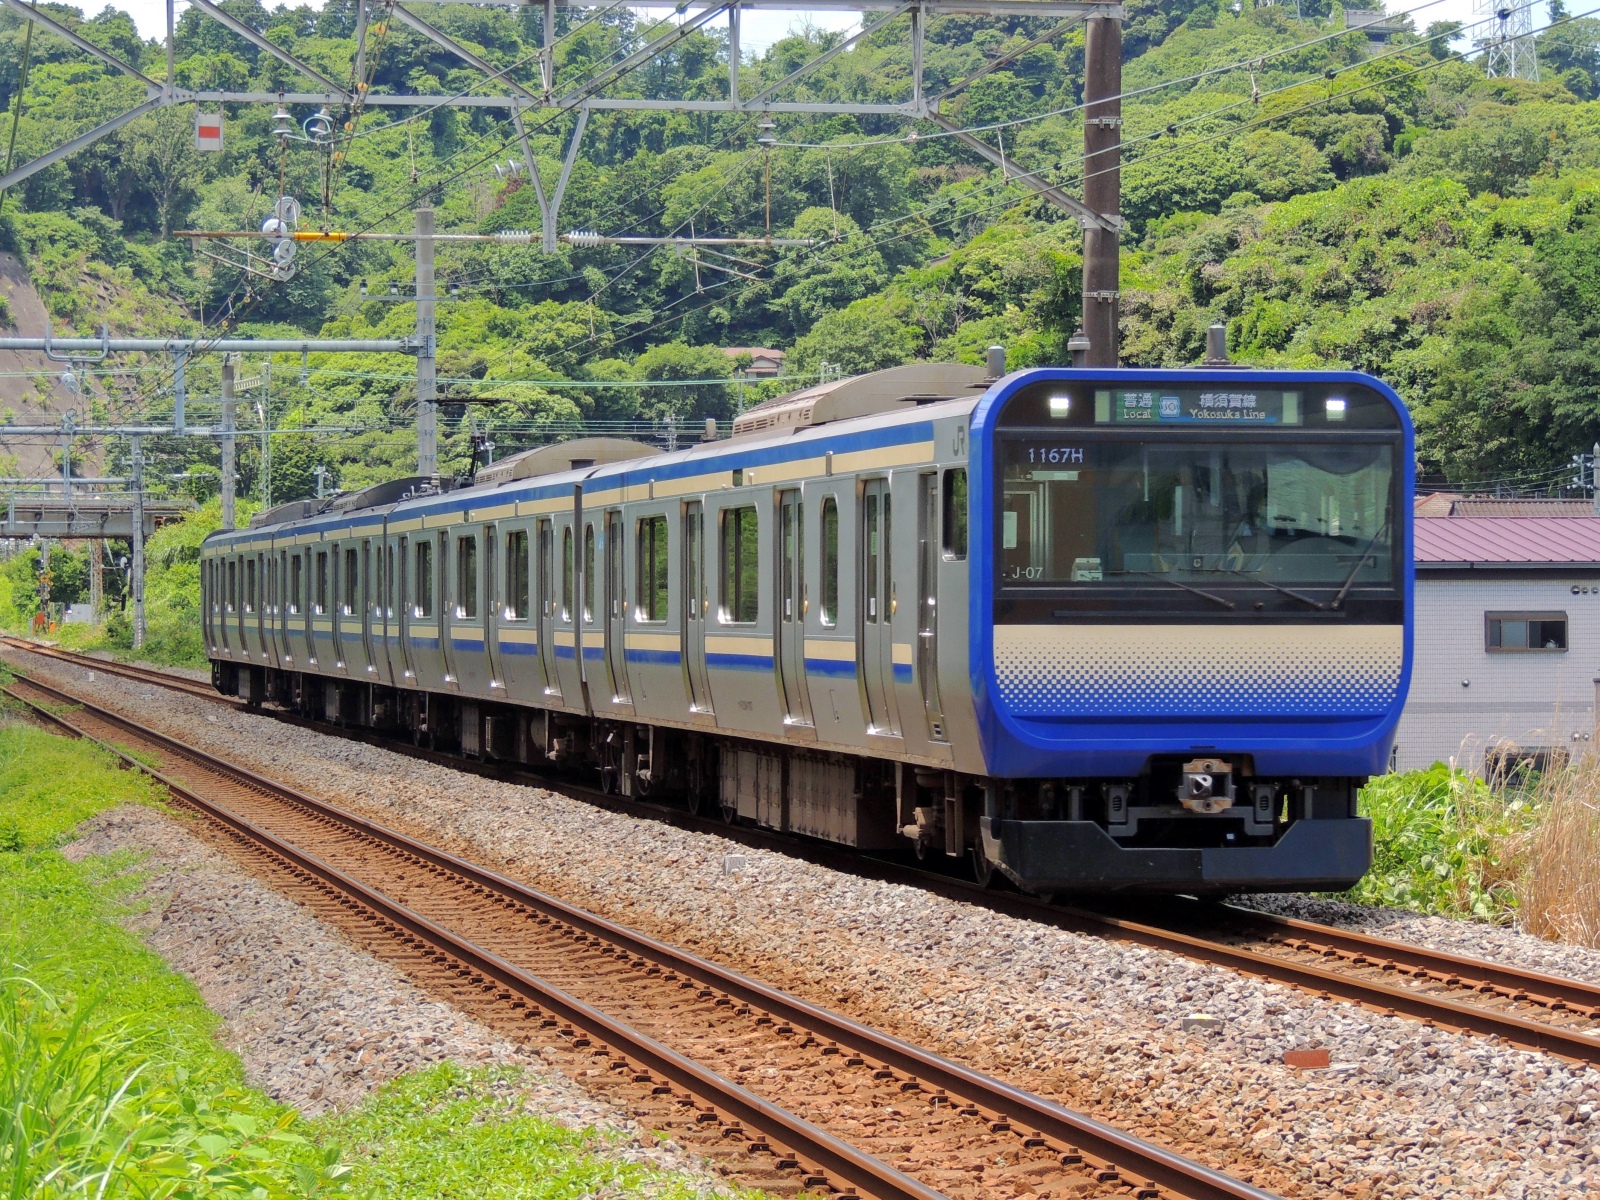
column 283, row 253
column 274, row 227
column 514, row 237
column 587, row 238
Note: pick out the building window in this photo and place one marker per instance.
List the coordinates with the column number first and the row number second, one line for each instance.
column 740, row 573
column 517, row 575
column 1510, row 632
column 830, row 561
column 652, row 569
column 955, row 513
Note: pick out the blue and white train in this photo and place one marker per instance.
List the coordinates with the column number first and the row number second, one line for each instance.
column 1095, row 631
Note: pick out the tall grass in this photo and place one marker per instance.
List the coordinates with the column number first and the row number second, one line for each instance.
column 1525, row 848
column 85, row 1113
column 64, row 1090
column 1558, row 889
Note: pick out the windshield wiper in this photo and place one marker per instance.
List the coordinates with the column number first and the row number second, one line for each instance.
column 1212, row 596
column 1278, row 587
column 1350, row 579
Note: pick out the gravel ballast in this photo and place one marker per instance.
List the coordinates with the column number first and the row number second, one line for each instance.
column 317, row 1022
column 1404, row 1111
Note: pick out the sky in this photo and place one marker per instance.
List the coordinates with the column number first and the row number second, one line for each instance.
column 760, row 30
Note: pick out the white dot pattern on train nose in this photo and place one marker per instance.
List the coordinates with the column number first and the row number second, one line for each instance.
column 1168, row 671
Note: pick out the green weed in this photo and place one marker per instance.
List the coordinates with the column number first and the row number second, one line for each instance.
column 1446, row 842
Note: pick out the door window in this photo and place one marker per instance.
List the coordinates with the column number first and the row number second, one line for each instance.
column 830, row 561
column 652, row 569
column 424, row 580
column 467, row 577
column 566, row 574
column 588, row 572
column 350, row 566
column 740, row 568
column 517, row 575
column 955, row 513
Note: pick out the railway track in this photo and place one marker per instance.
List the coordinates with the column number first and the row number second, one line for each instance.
column 788, row 1095
column 1526, row 1008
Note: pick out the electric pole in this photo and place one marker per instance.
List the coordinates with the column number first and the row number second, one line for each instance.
column 228, row 521
column 137, row 580
column 1102, row 187
column 427, row 367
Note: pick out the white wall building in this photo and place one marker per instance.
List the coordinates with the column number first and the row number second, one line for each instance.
column 1507, row 637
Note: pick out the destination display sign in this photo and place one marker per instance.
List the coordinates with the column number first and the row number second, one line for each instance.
column 1223, row 404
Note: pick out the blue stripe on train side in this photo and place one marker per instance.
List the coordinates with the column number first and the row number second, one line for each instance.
column 593, row 653
column 831, row 668
column 902, row 672
column 665, row 658
column 474, row 645
column 564, row 652
column 519, row 648
column 740, row 662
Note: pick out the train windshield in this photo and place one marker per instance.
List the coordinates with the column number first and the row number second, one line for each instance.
column 1219, row 523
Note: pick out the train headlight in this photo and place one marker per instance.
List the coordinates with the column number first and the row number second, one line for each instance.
column 1060, row 406
column 1335, row 408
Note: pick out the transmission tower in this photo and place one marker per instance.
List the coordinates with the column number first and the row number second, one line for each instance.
column 1505, row 35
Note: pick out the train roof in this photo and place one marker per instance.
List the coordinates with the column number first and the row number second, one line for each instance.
column 894, row 417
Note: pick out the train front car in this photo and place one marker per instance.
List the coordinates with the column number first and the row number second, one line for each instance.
column 1190, row 620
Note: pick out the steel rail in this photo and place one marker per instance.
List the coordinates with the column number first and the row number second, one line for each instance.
column 166, row 679
column 1471, row 1018
column 834, row 1156
column 1401, row 1001
column 1135, row 1156
column 1377, row 950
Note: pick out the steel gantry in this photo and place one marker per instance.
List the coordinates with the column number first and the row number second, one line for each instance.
column 1097, row 211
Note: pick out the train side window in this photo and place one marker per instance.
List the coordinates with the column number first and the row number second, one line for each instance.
column 250, row 586
column 830, row 561
column 566, row 574
column 741, row 577
column 517, row 575
column 467, row 577
column 321, row 583
column 351, row 564
column 233, row 584
column 955, row 513
column 424, row 580
column 652, row 569
column 295, row 585
column 588, row 572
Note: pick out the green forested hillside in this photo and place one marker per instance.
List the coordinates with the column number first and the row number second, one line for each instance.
column 1388, row 208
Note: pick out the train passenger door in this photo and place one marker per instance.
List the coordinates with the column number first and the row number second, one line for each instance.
column 616, row 608
column 929, row 550
column 547, row 609
column 371, row 607
column 791, row 618
column 491, row 605
column 875, row 637
column 695, row 607
column 402, row 599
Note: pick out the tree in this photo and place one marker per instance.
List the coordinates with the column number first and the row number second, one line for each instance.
column 166, row 160
column 674, row 361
